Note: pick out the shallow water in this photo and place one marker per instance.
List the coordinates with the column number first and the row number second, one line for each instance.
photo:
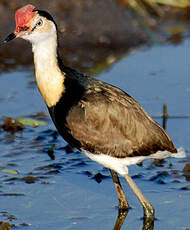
column 72, row 192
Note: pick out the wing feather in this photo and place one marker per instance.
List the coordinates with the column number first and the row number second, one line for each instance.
column 109, row 121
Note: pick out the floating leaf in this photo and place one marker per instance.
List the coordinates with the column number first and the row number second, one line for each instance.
column 12, row 125
column 5, row 226
column 51, row 152
column 31, row 122
column 10, row 171
column 30, row 179
column 177, row 29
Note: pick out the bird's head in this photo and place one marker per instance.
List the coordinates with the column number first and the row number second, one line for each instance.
column 32, row 24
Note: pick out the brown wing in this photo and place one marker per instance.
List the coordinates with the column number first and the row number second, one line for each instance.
column 109, row 121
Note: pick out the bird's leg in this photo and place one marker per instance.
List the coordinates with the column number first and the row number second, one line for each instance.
column 123, row 204
column 148, row 209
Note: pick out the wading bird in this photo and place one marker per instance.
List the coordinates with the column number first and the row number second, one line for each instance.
column 100, row 120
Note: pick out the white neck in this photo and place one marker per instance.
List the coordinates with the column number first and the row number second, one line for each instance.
column 49, row 77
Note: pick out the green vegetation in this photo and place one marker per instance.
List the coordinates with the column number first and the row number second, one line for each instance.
column 175, row 3
column 145, row 6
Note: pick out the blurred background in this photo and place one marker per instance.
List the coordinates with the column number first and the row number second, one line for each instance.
column 141, row 46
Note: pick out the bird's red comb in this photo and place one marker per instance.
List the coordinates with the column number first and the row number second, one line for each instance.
column 23, row 16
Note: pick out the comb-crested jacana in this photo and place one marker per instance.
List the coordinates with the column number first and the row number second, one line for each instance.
column 100, row 120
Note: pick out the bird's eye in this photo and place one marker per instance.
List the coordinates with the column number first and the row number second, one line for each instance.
column 39, row 23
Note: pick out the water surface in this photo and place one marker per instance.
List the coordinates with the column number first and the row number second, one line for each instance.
column 72, row 192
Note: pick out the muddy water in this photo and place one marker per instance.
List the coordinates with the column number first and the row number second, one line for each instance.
column 72, row 192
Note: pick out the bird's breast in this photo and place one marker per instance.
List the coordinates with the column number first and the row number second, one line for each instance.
column 50, row 84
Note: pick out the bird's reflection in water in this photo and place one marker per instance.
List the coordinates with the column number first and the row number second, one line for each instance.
column 148, row 223
column 120, row 219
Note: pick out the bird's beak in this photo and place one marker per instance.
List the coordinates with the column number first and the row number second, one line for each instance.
column 19, row 32
column 8, row 38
